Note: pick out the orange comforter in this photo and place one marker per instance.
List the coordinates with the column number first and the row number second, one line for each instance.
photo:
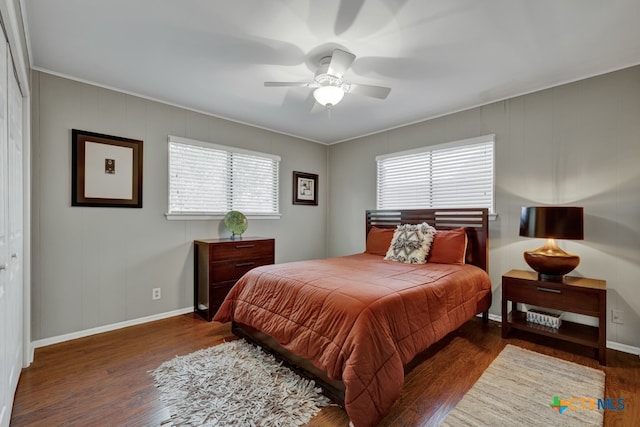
column 358, row 317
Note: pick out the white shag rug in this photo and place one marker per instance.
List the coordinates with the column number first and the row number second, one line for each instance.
column 235, row 384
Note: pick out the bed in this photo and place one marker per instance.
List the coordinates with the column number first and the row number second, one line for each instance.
column 352, row 323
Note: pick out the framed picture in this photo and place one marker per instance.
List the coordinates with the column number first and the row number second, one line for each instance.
column 305, row 189
column 106, row 170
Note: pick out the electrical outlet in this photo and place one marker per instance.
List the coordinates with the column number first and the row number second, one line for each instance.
column 617, row 316
column 156, row 293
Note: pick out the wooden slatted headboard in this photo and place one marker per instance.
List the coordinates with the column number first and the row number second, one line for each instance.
column 475, row 221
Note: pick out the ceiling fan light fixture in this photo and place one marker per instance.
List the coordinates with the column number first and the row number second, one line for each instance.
column 328, row 95
column 329, row 88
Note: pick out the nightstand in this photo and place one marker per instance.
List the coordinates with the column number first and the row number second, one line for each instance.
column 574, row 294
column 219, row 263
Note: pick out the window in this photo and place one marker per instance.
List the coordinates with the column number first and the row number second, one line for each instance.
column 210, row 180
column 453, row 175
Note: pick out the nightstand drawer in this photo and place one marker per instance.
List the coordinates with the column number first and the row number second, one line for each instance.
column 233, row 270
column 556, row 296
column 241, row 250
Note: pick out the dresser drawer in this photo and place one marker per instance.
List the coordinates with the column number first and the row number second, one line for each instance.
column 555, row 296
column 218, row 293
column 233, row 270
column 241, row 250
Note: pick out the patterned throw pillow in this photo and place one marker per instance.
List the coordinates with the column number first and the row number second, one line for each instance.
column 411, row 243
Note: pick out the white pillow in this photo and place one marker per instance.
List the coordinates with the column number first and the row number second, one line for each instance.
column 411, row 243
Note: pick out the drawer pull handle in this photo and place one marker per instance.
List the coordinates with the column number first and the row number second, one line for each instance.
column 245, row 246
column 553, row 291
column 245, row 264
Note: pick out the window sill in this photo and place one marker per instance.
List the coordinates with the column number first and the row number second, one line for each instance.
column 205, row 217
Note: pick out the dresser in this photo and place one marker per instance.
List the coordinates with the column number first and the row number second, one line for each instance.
column 219, row 263
column 574, row 294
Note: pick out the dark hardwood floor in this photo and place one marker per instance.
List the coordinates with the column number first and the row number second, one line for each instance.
column 103, row 379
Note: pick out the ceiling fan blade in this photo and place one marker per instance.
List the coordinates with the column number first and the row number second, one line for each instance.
column 368, row 90
column 280, row 84
column 340, row 62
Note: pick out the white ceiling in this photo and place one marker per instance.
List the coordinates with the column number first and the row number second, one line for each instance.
column 438, row 56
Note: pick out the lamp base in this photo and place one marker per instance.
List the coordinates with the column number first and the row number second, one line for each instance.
column 550, row 278
column 551, row 262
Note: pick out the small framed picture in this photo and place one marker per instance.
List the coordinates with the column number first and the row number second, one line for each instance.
column 106, row 170
column 305, row 188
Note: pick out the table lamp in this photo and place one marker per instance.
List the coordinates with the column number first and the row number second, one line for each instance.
column 551, row 223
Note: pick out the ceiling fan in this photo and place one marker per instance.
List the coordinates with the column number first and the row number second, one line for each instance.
column 329, row 88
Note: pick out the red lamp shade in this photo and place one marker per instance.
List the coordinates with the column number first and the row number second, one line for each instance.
column 552, row 222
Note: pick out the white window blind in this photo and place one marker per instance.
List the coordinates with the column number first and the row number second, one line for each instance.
column 453, row 175
column 211, row 179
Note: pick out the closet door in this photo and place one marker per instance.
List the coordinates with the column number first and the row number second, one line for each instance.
column 11, row 235
column 6, row 393
column 15, row 191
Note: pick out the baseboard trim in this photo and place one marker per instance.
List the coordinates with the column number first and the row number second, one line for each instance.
column 494, row 317
column 107, row 328
column 610, row 344
column 623, row 348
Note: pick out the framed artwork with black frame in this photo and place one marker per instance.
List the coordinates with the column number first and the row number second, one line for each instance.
column 305, row 188
column 106, row 170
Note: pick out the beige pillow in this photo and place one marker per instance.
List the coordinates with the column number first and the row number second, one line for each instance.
column 411, row 243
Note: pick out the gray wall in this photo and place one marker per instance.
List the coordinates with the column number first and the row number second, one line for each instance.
column 96, row 266
column 576, row 144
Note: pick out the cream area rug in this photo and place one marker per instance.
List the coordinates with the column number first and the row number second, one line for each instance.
column 524, row 388
column 235, row 384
